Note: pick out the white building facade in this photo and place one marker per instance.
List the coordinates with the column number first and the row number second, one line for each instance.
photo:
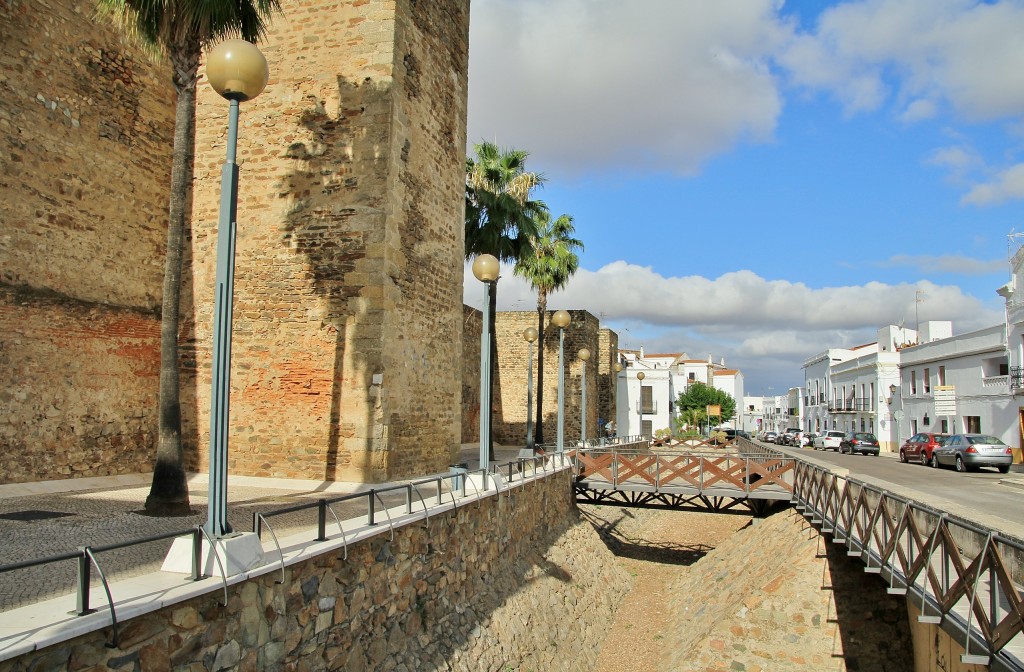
column 648, row 387
column 851, row 389
column 971, row 371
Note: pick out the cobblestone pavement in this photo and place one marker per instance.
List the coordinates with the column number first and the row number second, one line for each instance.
column 44, row 525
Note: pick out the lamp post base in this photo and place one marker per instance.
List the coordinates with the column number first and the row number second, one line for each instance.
column 238, row 553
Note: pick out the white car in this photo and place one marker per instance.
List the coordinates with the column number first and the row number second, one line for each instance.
column 828, row 440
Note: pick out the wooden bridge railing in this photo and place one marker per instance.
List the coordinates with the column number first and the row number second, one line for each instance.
column 717, row 472
column 962, row 575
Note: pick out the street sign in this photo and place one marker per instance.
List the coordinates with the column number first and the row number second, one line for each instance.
column 898, row 415
column 945, row 400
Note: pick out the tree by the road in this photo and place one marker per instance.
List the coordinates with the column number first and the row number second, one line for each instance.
column 699, row 396
column 549, row 265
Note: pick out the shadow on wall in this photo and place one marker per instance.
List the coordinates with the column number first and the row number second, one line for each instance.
column 333, row 220
column 873, row 625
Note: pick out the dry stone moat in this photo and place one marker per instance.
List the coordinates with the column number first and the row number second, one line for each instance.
column 714, row 592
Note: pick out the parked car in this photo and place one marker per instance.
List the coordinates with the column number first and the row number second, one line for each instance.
column 768, row 437
column 788, row 436
column 967, row 452
column 828, row 440
column 919, row 447
column 859, row 442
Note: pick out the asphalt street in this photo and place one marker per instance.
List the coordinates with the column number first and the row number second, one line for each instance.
column 984, row 496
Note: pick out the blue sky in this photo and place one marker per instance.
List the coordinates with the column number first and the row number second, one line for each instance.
column 760, row 180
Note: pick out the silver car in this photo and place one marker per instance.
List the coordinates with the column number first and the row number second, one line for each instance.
column 967, row 452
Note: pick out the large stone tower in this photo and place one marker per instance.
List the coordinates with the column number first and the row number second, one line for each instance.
column 347, row 329
column 346, row 359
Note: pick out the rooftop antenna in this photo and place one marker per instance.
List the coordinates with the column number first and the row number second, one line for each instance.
column 1014, row 242
column 919, row 296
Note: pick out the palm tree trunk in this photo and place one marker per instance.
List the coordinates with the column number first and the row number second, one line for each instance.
column 542, row 307
column 168, row 494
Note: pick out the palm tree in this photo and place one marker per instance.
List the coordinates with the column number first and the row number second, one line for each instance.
column 181, row 29
column 548, row 268
column 499, row 214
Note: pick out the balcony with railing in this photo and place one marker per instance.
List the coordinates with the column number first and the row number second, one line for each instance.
column 647, row 406
column 997, row 382
column 1017, row 379
column 852, row 405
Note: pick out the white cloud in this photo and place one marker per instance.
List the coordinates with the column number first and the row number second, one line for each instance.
column 958, row 159
column 919, row 110
column 751, row 321
column 1007, row 185
column 587, row 84
column 966, row 52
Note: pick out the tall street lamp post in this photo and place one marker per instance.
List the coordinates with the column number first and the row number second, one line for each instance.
column 618, row 370
column 561, row 320
column 530, row 335
column 237, row 71
column 485, row 269
column 640, row 403
column 584, row 355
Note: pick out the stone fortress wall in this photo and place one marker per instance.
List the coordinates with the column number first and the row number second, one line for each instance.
column 85, row 157
column 349, row 263
column 510, row 384
column 509, row 425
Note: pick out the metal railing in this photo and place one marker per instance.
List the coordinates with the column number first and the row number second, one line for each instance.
column 503, row 478
column 85, row 558
column 851, row 405
column 1016, row 377
column 963, row 575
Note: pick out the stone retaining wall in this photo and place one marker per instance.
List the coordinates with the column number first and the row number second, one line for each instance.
column 514, row 582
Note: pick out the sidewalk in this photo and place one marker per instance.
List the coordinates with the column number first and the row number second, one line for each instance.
column 43, row 519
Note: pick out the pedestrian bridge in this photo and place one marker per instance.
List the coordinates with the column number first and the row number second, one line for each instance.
column 696, row 475
column 959, row 577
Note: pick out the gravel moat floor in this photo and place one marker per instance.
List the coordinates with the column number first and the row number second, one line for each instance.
column 657, row 548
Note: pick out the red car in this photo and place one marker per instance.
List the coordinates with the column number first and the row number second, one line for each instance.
column 919, row 447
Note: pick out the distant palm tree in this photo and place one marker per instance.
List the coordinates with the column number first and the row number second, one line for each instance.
column 499, row 215
column 181, row 29
column 547, row 268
